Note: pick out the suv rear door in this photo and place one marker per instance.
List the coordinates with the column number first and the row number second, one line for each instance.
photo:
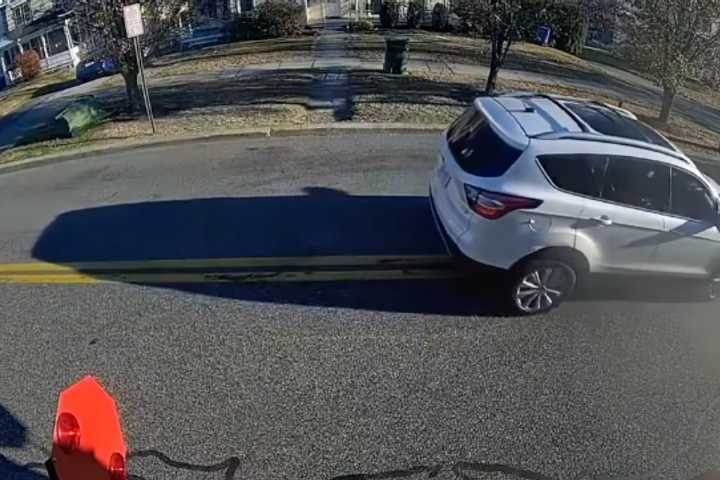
column 623, row 205
column 692, row 242
column 472, row 153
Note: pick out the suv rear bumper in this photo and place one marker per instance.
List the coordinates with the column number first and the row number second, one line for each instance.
column 452, row 248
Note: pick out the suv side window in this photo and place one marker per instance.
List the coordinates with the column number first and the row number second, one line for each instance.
column 576, row 173
column 637, row 183
column 690, row 198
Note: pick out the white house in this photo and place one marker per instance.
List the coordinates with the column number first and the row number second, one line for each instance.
column 317, row 10
column 46, row 27
column 38, row 25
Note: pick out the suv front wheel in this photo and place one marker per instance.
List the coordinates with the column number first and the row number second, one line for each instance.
column 538, row 286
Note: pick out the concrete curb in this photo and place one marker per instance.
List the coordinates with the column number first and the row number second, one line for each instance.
column 282, row 131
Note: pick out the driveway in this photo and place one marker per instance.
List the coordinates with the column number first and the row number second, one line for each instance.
column 410, row 377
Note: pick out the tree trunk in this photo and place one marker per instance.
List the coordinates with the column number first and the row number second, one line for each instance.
column 132, row 89
column 491, row 79
column 580, row 37
column 667, row 104
column 494, row 67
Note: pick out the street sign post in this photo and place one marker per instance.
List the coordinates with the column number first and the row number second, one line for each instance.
column 134, row 28
column 133, row 20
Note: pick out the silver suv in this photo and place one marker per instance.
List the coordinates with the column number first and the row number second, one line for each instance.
column 551, row 189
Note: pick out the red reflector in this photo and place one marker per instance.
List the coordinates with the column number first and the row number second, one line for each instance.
column 67, row 432
column 493, row 205
column 117, row 467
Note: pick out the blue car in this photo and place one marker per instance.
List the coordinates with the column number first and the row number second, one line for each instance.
column 91, row 69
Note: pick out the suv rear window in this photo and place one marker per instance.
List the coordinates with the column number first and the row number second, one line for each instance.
column 477, row 148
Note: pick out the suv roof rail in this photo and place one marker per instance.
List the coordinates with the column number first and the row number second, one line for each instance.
column 619, row 110
column 583, row 126
column 594, row 137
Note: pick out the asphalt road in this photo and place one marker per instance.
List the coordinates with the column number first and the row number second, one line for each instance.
column 319, row 380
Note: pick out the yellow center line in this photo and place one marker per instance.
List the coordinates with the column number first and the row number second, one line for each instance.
column 388, row 261
column 234, row 277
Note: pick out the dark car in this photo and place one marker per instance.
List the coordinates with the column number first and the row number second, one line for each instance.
column 91, row 69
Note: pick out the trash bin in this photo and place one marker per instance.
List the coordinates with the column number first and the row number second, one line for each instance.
column 82, row 115
column 72, row 121
column 396, row 55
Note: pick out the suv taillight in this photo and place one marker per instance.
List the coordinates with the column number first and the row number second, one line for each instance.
column 493, row 205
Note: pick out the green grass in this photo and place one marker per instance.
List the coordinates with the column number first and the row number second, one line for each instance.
column 231, row 56
column 20, row 95
column 605, row 57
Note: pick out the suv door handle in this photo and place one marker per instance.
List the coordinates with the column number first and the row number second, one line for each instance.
column 603, row 220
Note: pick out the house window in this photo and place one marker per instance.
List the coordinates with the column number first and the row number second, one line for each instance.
column 22, row 14
column 35, row 44
column 9, row 56
column 3, row 20
column 56, row 42
column 75, row 33
column 208, row 8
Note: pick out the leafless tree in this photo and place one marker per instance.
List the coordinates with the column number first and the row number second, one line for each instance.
column 500, row 21
column 673, row 41
column 102, row 28
column 505, row 22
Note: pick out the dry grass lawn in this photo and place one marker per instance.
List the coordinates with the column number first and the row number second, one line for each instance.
column 372, row 97
column 232, row 56
column 276, row 98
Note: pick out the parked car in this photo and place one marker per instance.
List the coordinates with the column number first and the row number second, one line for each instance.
column 91, row 69
column 552, row 189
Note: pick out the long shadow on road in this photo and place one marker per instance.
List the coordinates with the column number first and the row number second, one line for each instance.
column 323, row 222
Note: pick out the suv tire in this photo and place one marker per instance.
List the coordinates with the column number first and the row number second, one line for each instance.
column 714, row 289
column 709, row 290
column 538, row 286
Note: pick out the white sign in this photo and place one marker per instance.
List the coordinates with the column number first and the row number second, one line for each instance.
column 133, row 20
